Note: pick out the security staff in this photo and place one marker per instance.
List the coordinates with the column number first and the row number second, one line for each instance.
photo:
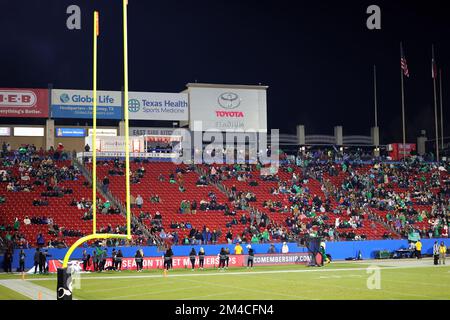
column 436, row 253
column 192, row 256
column 442, row 252
column 419, row 249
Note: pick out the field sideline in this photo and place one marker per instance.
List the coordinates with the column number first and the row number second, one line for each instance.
column 399, row 279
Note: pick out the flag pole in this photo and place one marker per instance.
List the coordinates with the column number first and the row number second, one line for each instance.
column 442, row 113
column 403, row 103
column 375, row 94
column 433, row 70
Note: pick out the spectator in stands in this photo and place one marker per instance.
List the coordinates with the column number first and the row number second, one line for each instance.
column 139, row 201
column 26, row 221
column 158, row 216
column 16, row 224
column 40, row 240
column 105, row 184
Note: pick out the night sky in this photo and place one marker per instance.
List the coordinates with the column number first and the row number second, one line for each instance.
column 316, row 57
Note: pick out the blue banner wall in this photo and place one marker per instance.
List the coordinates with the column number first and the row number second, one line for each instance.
column 67, row 103
column 337, row 250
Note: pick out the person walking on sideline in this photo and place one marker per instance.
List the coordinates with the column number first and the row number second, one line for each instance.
column 119, row 258
column 168, row 259
column 22, row 256
column 442, row 252
column 251, row 255
column 419, row 249
column 227, row 256
column 85, row 260
column 222, row 258
column 36, row 260
column 436, row 253
column 201, row 258
column 192, row 256
column 138, row 257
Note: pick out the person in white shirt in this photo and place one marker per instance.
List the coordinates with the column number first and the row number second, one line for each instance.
column 284, row 248
column 26, row 221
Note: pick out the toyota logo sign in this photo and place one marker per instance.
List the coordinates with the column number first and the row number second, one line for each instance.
column 229, row 100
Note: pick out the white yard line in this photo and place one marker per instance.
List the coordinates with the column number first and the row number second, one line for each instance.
column 29, row 289
column 250, row 272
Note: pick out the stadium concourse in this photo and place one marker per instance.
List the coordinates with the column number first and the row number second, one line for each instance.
column 45, row 200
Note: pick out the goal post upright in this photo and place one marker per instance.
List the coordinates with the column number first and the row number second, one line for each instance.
column 94, row 127
column 64, row 280
column 126, row 116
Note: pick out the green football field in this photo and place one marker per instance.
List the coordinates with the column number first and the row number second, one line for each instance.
column 355, row 280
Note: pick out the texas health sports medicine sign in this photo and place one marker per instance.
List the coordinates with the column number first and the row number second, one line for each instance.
column 158, row 106
column 79, row 104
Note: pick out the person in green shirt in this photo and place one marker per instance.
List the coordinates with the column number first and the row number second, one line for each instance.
column 255, row 239
column 16, row 224
column 265, row 236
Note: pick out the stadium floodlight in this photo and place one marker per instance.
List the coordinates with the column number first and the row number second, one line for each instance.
column 64, row 285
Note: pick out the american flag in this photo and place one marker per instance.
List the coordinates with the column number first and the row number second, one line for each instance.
column 403, row 63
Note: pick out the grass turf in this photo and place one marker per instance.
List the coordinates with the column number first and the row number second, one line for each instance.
column 335, row 281
column 8, row 294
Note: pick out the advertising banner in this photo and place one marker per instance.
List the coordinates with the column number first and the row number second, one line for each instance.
column 158, row 106
column 144, row 131
column 5, row 131
column 121, row 154
column 117, row 144
column 227, row 108
column 24, row 103
column 70, row 132
column 79, row 104
column 158, row 263
column 210, row 261
column 277, row 259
